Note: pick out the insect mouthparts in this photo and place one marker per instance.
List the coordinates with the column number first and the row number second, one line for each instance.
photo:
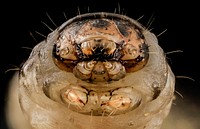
column 99, row 49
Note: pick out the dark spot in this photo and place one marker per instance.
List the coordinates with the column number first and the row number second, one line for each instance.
column 100, row 23
column 144, row 50
column 55, row 51
column 156, row 89
column 122, row 28
column 94, row 71
column 139, row 58
column 139, row 34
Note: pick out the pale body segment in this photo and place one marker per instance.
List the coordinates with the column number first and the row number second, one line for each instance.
column 96, row 71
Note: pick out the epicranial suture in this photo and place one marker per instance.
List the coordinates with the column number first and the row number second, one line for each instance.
column 103, row 67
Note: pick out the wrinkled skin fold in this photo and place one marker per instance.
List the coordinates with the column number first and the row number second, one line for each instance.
column 76, row 89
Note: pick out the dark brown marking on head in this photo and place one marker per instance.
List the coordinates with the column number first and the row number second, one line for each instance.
column 100, row 23
column 122, row 28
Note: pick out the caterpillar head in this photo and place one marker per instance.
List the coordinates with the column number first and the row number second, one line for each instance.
column 101, row 48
